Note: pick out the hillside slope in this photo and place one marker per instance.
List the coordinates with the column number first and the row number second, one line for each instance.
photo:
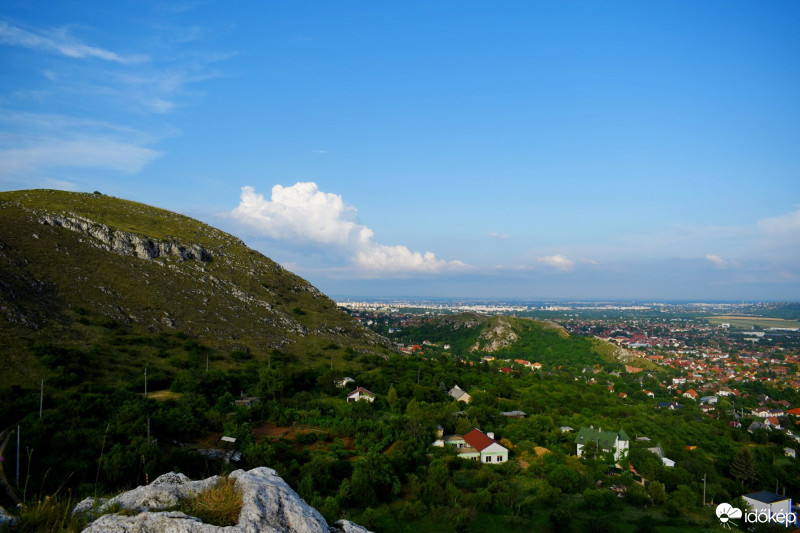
column 507, row 337
column 74, row 266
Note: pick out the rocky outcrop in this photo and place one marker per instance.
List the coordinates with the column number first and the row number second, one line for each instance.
column 125, row 243
column 268, row 505
column 8, row 520
column 497, row 335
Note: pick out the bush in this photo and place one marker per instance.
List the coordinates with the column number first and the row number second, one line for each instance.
column 220, row 504
column 306, row 438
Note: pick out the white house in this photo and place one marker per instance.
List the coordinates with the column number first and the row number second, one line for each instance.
column 360, row 394
column 489, row 450
column 616, row 442
column 342, row 383
column 768, row 503
column 477, row 446
column 459, row 394
column 660, row 453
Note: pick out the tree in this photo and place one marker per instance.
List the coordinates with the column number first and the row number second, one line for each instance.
column 565, row 478
column 637, row 496
column 743, row 467
column 656, row 492
column 373, row 480
column 589, row 450
column 391, row 396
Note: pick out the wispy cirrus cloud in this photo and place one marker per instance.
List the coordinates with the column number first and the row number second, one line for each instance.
column 96, row 152
column 111, row 104
column 59, row 41
column 303, row 214
column 782, row 224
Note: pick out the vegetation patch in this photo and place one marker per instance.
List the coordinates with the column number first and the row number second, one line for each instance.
column 219, row 504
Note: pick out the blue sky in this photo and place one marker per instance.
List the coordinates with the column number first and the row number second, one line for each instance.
column 597, row 150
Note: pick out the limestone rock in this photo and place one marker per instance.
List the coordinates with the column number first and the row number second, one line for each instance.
column 268, row 505
column 5, row 518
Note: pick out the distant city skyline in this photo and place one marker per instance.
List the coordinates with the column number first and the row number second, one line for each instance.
column 529, row 150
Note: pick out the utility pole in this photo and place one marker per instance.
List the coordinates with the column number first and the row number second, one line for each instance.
column 206, row 362
column 41, row 399
column 145, row 405
column 17, row 456
column 704, row 490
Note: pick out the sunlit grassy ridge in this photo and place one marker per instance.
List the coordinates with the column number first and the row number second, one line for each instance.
column 61, row 286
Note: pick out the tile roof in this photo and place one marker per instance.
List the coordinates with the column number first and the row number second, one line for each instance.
column 478, row 439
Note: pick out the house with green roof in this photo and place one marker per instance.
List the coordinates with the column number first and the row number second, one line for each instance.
column 616, row 442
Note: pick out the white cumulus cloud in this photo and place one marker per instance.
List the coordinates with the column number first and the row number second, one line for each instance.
column 558, row 261
column 303, row 213
column 717, row 261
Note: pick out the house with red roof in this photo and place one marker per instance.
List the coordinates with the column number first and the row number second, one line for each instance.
column 476, row 446
column 489, row 450
column 360, row 394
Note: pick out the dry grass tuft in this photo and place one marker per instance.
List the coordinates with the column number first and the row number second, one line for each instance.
column 219, row 505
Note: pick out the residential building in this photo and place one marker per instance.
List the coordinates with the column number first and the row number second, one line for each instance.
column 459, row 394
column 616, row 442
column 779, row 507
column 477, row 446
column 360, row 394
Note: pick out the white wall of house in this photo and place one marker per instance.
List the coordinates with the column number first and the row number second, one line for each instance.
column 494, row 453
column 782, row 506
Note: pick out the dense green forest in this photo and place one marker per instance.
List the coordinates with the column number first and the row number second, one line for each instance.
column 373, row 462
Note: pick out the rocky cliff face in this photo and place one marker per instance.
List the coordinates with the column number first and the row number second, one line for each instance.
column 124, row 243
column 498, row 334
column 268, row 505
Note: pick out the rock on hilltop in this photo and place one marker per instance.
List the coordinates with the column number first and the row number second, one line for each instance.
column 268, row 505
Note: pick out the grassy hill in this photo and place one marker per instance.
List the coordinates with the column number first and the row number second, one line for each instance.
column 473, row 335
column 116, row 284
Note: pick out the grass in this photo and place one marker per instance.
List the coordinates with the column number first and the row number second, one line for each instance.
column 219, row 505
column 52, row 515
column 163, row 395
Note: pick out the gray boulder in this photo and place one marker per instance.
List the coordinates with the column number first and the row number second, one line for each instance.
column 5, row 518
column 268, row 505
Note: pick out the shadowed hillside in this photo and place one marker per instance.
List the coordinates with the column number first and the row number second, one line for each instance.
column 80, row 270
